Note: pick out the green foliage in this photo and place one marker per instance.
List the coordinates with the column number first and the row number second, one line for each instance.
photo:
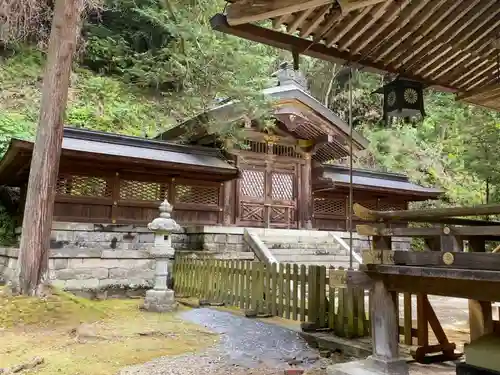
column 7, row 228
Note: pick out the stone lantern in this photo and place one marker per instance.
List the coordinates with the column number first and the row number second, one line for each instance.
column 161, row 298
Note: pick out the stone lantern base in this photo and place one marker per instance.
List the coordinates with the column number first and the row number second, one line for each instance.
column 160, row 300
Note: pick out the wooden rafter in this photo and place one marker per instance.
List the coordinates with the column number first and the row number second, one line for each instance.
column 245, row 11
column 442, row 43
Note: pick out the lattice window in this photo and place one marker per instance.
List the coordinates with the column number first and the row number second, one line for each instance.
column 252, row 183
column 142, row 191
column 384, row 205
column 282, row 186
column 204, row 195
column 331, row 206
column 83, row 186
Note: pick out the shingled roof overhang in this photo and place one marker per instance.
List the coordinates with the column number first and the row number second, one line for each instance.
column 120, row 150
column 393, row 183
column 446, row 44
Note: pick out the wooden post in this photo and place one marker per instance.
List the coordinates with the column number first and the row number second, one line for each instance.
column 307, row 198
column 37, row 221
column 385, row 327
column 480, row 312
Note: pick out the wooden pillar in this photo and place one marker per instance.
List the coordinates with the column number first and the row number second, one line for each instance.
column 37, row 221
column 385, row 325
column 480, row 312
column 228, row 188
column 307, row 198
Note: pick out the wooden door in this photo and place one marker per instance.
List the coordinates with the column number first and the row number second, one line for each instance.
column 268, row 195
column 281, row 197
column 251, row 196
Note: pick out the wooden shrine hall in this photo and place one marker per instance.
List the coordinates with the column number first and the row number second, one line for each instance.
column 278, row 179
column 449, row 45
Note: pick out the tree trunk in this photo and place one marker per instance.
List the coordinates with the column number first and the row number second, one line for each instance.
column 37, row 221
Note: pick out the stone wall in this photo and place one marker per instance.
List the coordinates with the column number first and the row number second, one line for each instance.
column 87, row 269
column 113, row 257
column 99, row 258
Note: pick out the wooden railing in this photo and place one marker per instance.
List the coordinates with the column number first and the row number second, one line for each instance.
column 286, row 290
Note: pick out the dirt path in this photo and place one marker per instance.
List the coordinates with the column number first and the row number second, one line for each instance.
column 249, row 347
column 246, row 347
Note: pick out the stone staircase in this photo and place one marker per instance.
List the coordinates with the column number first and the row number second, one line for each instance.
column 302, row 247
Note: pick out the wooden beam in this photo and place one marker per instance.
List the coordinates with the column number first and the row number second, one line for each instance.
column 246, row 11
column 469, row 284
column 443, row 259
column 305, row 47
column 379, row 230
column 350, row 5
column 372, row 215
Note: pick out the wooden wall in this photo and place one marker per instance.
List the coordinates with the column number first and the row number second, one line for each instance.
column 330, row 210
column 134, row 199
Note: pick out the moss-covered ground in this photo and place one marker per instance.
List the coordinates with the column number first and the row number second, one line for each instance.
column 79, row 337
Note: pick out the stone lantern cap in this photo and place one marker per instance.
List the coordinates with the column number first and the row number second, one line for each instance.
column 164, row 223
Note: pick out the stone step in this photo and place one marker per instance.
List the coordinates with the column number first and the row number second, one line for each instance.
column 307, row 258
column 299, row 245
column 295, row 239
column 308, row 252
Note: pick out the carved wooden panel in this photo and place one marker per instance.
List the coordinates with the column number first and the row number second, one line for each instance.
column 282, row 215
column 282, row 186
column 252, row 183
column 83, row 186
column 252, row 212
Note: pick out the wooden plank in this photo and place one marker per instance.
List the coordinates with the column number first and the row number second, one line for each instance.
column 303, row 298
column 254, row 287
column 350, row 328
column 323, row 322
column 261, row 306
column 295, row 291
column 312, row 306
column 242, row 11
column 341, row 314
column 408, row 337
column 280, row 289
column 268, row 289
column 287, row 290
column 361, row 313
column 331, row 307
column 274, row 289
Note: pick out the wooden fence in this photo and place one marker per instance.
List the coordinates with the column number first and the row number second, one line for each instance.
column 285, row 290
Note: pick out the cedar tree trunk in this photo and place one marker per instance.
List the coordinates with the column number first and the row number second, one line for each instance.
column 37, row 221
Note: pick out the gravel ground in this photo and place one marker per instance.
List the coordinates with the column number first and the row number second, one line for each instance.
column 246, row 347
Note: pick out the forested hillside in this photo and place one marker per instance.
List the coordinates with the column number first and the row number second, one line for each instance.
column 143, row 65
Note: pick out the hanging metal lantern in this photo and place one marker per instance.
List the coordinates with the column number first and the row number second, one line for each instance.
column 403, row 98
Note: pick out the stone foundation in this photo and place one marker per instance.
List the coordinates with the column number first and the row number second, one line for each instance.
column 217, row 239
column 116, row 257
column 90, row 269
